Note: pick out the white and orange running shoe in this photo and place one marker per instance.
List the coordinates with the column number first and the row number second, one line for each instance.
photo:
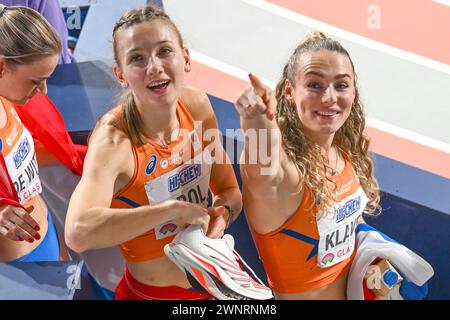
column 213, row 267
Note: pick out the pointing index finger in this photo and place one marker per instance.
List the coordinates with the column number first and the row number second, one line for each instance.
column 259, row 87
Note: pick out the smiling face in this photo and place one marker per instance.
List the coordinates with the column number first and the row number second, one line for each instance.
column 19, row 82
column 324, row 92
column 151, row 62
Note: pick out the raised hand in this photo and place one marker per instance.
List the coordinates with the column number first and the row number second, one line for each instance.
column 256, row 100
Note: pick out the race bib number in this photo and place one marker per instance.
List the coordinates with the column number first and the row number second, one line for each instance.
column 188, row 182
column 337, row 232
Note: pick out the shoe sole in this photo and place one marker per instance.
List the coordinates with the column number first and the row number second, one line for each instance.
column 215, row 292
column 188, row 257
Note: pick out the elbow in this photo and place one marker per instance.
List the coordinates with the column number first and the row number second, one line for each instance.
column 238, row 200
column 75, row 237
column 240, row 207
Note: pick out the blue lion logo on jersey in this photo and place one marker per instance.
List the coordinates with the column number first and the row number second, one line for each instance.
column 151, row 165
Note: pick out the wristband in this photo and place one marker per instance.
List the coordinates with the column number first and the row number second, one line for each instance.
column 230, row 215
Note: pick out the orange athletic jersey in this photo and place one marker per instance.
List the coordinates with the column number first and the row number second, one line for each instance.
column 18, row 149
column 160, row 174
column 297, row 256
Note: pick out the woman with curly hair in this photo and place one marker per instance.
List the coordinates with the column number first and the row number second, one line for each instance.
column 304, row 213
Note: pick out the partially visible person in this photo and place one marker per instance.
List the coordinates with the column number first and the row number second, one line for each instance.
column 29, row 52
column 303, row 213
column 51, row 10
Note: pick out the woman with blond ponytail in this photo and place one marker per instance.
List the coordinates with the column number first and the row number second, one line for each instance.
column 304, row 213
column 29, row 52
column 140, row 184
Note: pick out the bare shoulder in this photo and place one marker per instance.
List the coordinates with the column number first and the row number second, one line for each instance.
column 108, row 143
column 198, row 103
column 108, row 132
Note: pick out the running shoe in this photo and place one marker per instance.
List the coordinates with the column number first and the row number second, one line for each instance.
column 213, row 267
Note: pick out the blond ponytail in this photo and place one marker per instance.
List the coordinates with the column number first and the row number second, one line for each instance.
column 25, row 35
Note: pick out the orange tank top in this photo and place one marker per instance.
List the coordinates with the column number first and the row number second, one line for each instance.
column 308, row 251
column 162, row 173
column 17, row 147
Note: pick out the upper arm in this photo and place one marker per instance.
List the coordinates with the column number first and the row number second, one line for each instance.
column 222, row 173
column 107, row 158
column 266, row 172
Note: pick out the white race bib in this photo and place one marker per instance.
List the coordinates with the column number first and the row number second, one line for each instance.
column 23, row 168
column 188, row 182
column 337, row 231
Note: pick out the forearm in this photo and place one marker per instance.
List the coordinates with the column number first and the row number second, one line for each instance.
column 101, row 227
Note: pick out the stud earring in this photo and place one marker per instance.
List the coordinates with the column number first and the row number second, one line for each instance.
column 187, row 68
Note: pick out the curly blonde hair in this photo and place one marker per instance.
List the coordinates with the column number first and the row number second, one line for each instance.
column 306, row 154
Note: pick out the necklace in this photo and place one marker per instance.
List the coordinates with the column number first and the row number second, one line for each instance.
column 334, row 170
column 165, row 141
column 167, row 138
